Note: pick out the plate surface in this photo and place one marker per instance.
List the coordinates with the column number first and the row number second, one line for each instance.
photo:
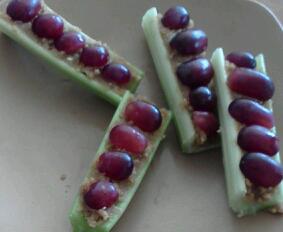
column 50, row 128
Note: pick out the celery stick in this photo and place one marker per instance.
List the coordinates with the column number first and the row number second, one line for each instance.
column 78, row 220
column 169, row 83
column 235, row 181
column 23, row 35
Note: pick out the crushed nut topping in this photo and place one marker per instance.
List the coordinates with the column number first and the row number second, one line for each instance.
column 258, row 194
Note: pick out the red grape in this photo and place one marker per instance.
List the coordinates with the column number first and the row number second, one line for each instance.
column 23, row 10
column 205, row 122
column 250, row 112
column 143, row 115
column 128, row 138
column 70, row 42
column 251, row 83
column 202, row 99
column 117, row 73
column 95, row 56
column 195, row 73
column 176, row 17
column 189, row 42
column 261, row 170
column 101, row 194
column 48, row 26
column 258, row 139
column 116, row 165
column 242, row 59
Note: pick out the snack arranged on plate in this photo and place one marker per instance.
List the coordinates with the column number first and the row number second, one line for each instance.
column 90, row 62
column 178, row 51
column 120, row 164
column 191, row 82
column 249, row 142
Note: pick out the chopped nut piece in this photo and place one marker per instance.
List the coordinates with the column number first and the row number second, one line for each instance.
column 276, row 209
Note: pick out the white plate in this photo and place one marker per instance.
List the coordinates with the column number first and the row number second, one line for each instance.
column 50, row 127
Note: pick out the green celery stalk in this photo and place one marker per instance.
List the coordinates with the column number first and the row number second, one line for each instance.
column 77, row 218
column 28, row 40
column 170, row 85
column 235, row 181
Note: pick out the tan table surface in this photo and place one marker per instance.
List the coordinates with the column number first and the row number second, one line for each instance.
column 276, row 6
